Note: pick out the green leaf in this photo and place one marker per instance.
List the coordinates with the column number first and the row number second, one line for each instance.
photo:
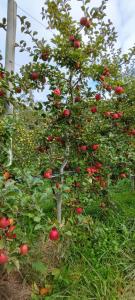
column 39, row 267
column 22, row 19
column 38, row 227
column 28, row 24
column 37, row 219
column 4, row 20
column 1, row 244
column 69, row 233
column 34, row 297
column 83, row 8
column 17, row 264
column 56, row 272
column 22, row 29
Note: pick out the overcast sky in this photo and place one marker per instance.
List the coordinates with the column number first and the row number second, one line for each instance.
column 121, row 12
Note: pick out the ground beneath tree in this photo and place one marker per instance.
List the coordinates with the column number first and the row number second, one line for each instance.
column 129, row 292
column 13, row 288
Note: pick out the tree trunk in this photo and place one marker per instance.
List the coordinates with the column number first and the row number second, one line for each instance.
column 59, row 195
column 59, row 208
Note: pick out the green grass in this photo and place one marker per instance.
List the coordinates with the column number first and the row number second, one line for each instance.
column 99, row 251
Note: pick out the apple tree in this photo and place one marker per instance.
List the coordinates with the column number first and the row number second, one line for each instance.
column 85, row 123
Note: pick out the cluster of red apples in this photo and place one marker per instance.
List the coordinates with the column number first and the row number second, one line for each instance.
column 7, row 233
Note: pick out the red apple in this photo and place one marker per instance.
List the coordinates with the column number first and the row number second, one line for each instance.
column 123, row 175
column 89, row 170
column 93, row 109
column 50, row 138
column 3, row 257
column 77, row 184
column 107, row 113
column 115, row 116
column 66, row 113
column 102, row 77
column 10, row 235
column 48, row 174
column 98, row 165
column 108, row 88
column 24, row 249
column 2, row 75
column 120, row 114
column 97, row 178
column 106, row 72
column 77, row 43
column 106, row 68
column 88, row 23
column 79, row 210
column 132, row 132
column 98, row 97
column 2, row 93
column 95, row 147
column 11, row 228
column 4, row 222
column 71, row 38
column 58, row 139
column 18, row 90
column 54, row 234
column 78, row 170
column 92, row 170
column 84, row 21
column 83, row 148
column 119, row 90
column 14, row 236
column 77, row 99
column 57, row 92
column 34, row 76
